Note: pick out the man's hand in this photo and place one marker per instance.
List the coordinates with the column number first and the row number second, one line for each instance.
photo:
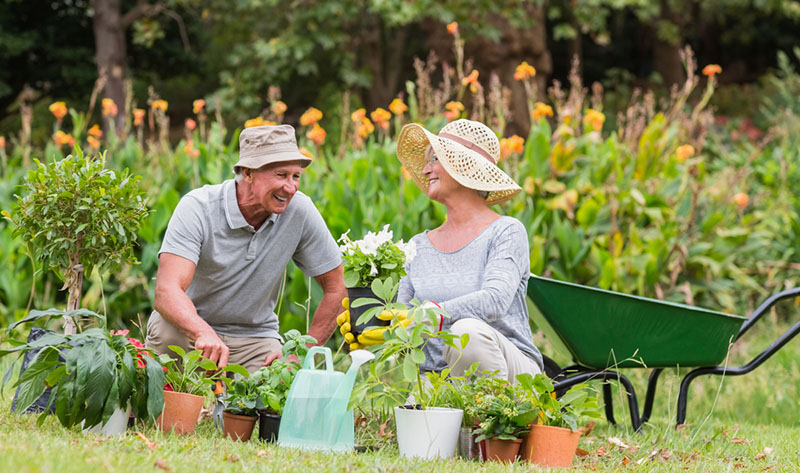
column 276, row 355
column 213, row 348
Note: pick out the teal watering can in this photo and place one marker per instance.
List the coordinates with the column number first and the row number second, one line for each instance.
column 316, row 416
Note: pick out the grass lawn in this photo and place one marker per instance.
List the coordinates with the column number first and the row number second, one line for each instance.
column 750, row 423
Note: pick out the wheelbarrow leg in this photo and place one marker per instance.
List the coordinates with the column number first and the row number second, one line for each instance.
column 633, row 404
column 651, row 394
column 608, row 400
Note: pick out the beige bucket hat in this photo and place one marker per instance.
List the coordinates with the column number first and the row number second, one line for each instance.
column 262, row 145
column 468, row 151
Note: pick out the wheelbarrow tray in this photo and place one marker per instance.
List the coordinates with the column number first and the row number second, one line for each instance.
column 605, row 329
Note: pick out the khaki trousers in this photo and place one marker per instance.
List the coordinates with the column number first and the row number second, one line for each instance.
column 488, row 347
column 248, row 352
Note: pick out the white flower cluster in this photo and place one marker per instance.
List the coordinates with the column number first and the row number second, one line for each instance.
column 372, row 241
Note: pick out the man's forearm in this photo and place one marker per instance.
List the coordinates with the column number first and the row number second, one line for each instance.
column 177, row 309
column 324, row 321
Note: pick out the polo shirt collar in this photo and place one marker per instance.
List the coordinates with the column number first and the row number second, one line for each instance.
column 232, row 212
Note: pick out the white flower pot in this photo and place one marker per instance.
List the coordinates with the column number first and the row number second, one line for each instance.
column 428, row 433
column 117, row 424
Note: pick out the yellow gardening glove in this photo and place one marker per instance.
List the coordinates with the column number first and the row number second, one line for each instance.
column 343, row 321
column 391, row 314
column 374, row 336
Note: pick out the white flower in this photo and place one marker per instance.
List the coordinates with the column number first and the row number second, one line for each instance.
column 373, row 270
column 369, row 245
column 409, row 249
column 385, row 235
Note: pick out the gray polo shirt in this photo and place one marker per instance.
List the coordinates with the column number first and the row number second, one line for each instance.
column 238, row 269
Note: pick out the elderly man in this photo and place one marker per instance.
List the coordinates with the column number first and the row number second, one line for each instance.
column 225, row 252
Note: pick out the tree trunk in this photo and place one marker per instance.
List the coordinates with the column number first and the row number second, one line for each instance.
column 381, row 52
column 109, row 36
column 666, row 51
column 74, row 283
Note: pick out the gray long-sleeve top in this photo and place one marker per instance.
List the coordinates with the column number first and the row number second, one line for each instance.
column 487, row 279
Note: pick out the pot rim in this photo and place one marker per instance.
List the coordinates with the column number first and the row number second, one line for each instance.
column 184, row 394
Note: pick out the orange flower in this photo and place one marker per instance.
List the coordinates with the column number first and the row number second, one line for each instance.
column 317, row 134
column 269, row 122
column 541, row 110
column 514, row 144
column 358, row 115
column 311, row 117
column 305, row 152
column 62, row 138
column 190, row 124
column 198, row 106
column 595, row 119
column 684, row 152
column 454, row 110
column 94, row 143
column 711, row 70
column 406, row 174
column 365, row 128
column 257, row 121
column 190, row 150
column 472, row 81
column 279, row 108
column 397, row 106
column 58, row 109
column 452, row 28
column 159, row 105
column 2, row 142
column 741, row 200
column 524, row 71
column 109, row 108
column 96, row 131
column 381, row 118
column 138, row 116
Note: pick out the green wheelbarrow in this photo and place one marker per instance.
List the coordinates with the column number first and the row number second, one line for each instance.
column 605, row 330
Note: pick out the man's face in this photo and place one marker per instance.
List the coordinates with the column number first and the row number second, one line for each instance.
column 274, row 185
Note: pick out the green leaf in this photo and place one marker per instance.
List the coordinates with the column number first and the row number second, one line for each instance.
column 409, row 369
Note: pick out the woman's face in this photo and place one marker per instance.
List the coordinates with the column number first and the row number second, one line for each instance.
column 440, row 183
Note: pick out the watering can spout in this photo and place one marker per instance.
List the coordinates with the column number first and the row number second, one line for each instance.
column 358, row 357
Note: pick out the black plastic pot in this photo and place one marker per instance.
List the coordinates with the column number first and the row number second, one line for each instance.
column 355, row 293
column 268, row 426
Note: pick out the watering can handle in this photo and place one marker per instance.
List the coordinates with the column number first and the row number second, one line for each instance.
column 309, row 363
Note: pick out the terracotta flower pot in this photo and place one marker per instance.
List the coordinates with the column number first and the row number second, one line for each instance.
column 550, row 446
column 502, row 450
column 238, row 427
column 181, row 411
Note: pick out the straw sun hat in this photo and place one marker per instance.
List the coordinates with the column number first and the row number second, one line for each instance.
column 467, row 150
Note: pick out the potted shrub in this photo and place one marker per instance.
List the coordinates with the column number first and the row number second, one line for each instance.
column 241, row 412
column 272, row 383
column 554, row 436
column 77, row 215
column 504, row 419
column 95, row 375
column 429, row 426
column 190, row 378
column 374, row 257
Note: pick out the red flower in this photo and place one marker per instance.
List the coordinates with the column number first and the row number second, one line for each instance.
column 167, row 387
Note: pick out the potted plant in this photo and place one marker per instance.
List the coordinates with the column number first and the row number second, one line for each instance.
column 374, row 257
column 95, row 375
column 241, row 411
column 76, row 215
column 504, row 419
column 272, row 383
column 429, row 426
column 190, row 378
column 554, row 436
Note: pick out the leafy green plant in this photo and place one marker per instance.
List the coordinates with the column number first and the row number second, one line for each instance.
column 395, row 374
column 77, row 215
column 272, row 383
column 564, row 411
column 502, row 413
column 191, row 373
column 100, row 371
column 242, row 396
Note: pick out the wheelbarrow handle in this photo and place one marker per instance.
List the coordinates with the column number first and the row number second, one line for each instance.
column 766, row 306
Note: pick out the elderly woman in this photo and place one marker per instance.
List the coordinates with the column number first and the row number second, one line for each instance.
column 476, row 264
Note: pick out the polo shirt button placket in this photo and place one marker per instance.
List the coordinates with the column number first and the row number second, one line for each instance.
column 251, row 247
